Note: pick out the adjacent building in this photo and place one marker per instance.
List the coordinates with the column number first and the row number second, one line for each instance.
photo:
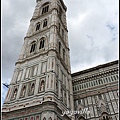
column 96, row 89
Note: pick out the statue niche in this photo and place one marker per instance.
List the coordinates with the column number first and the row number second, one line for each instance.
column 32, row 87
column 23, row 91
column 42, row 85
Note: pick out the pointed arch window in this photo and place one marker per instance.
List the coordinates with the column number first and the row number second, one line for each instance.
column 42, row 43
column 45, row 23
column 37, row 26
column 33, row 46
column 45, row 8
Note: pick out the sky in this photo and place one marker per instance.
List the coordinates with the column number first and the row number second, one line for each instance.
column 92, row 33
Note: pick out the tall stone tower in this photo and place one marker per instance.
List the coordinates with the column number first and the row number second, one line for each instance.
column 41, row 86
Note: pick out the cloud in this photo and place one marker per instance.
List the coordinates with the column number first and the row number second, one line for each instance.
column 93, row 38
column 92, row 32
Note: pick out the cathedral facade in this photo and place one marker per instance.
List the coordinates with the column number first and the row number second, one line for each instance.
column 42, row 86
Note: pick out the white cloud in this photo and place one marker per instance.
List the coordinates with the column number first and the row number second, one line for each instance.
column 92, row 39
column 92, row 42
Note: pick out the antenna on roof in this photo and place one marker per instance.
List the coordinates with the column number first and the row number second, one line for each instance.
column 6, row 85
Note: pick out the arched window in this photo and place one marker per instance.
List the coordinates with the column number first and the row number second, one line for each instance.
column 15, row 93
column 45, row 8
column 37, row 26
column 45, row 23
column 42, row 42
column 33, row 46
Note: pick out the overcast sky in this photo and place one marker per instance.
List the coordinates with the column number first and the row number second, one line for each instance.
column 92, row 33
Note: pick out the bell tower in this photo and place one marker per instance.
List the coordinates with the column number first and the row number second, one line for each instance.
column 41, row 86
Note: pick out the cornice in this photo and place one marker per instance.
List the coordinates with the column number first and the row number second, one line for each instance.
column 94, row 68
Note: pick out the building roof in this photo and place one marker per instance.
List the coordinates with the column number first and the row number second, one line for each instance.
column 94, row 68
